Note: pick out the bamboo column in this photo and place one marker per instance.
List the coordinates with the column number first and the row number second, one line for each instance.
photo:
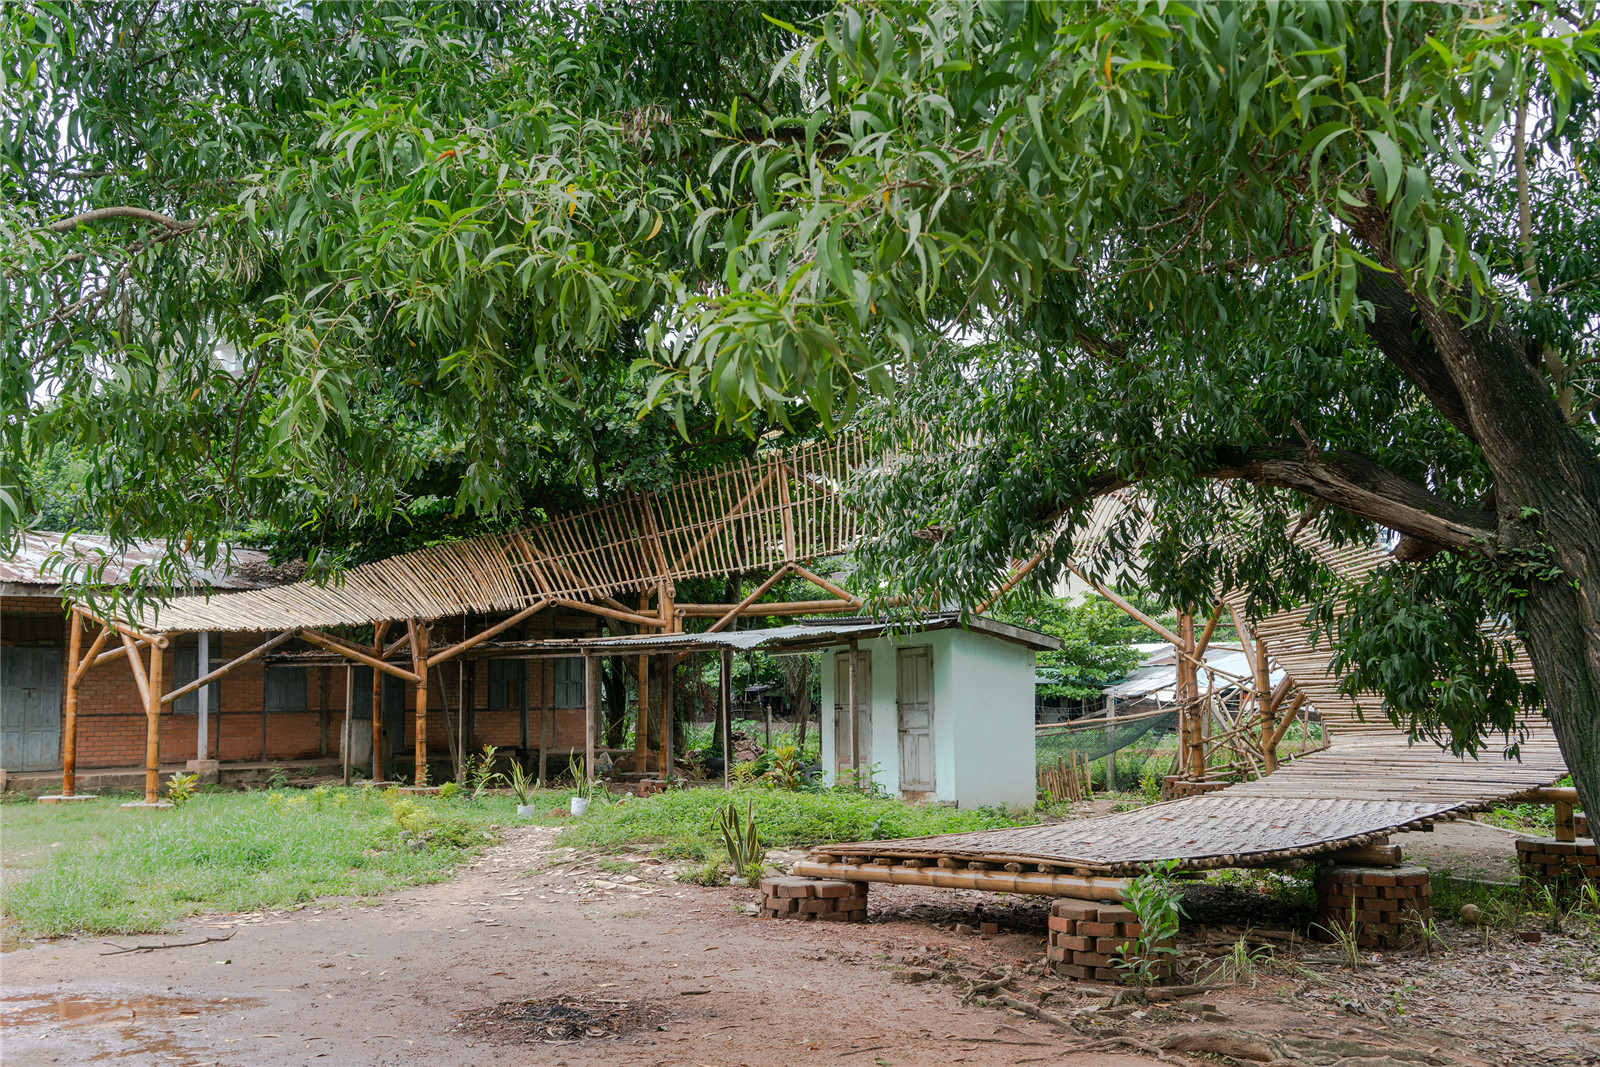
column 666, row 719
column 69, row 711
column 641, row 729
column 152, row 736
column 349, row 715
column 853, row 714
column 1188, row 696
column 724, row 702
column 419, row 660
column 590, row 688
column 379, row 631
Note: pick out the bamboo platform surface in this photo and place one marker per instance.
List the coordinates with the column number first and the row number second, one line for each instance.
column 1340, row 797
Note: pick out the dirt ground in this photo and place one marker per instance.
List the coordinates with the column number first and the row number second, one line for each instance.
column 530, row 957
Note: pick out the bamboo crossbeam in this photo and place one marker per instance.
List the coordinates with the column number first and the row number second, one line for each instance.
column 461, row 646
column 654, row 622
column 253, row 654
column 137, row 666
column 359, row 655
column 1079, row 887
column 104, row 657
column 775, row 607
column 825, row 585
column 82, row 663
column 138, row 635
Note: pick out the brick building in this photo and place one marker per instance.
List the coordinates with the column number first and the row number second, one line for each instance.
column 286, row 708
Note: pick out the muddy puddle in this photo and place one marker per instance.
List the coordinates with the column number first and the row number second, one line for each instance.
column 49, row 1028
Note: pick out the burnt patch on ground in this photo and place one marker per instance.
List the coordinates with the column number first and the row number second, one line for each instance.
column 561, row 1019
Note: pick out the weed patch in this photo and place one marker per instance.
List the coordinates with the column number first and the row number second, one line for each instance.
column 685, row 825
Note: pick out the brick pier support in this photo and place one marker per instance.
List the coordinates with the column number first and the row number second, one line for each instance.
column 1561, row 865
column 1084, row 936
column 1384, row 903
column 814, row 899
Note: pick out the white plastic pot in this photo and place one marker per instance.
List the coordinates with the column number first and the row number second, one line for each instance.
column 527, row 811
column 579, row 805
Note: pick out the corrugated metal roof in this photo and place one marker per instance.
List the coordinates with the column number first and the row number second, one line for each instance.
column 44, row 556
column 796, row 636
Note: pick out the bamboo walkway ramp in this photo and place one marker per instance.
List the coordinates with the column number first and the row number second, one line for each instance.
column 1340, row 797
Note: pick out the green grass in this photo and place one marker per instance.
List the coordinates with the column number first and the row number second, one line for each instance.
column 683, row 824
column 94, row 868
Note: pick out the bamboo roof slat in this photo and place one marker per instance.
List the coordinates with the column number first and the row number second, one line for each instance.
column 691, row 530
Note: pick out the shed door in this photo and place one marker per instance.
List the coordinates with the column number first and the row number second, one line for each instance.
column 841, row 724
column 30, row 709
column 914, row 696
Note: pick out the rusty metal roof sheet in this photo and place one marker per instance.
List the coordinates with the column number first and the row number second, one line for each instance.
column 45, row 558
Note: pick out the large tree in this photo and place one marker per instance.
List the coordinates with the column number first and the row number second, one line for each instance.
column 1273, row 264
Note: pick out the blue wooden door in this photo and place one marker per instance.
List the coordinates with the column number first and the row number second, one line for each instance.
column 30, row 708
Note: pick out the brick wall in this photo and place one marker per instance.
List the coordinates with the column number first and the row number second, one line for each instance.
column 111, row 716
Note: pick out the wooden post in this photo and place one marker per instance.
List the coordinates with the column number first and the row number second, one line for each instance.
column 152, row 737
column 379, row 630
column 589, row 704
column 349, row 713
column 724, row 702
column 69, row 711
column 852, row 714
column 202, row 667
column 666, row 719
column 419, row 660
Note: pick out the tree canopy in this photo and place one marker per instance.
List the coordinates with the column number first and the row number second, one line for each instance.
column 1272, row 266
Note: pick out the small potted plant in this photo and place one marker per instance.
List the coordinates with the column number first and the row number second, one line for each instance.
column 522, row 789
column 579, row 804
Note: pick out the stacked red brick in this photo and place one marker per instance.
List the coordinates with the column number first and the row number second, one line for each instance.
column 1085, row 937
column 814, row 900
column 1385, row 904
column 1561, row 865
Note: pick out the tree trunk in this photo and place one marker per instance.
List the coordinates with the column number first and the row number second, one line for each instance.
column 1546, row 487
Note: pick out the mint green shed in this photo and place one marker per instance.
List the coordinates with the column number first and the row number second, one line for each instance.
column 944, row 711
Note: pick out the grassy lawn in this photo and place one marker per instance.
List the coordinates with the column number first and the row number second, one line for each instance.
column 95, row 868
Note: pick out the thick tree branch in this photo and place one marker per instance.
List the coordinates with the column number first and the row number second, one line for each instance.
column 1354, row 483
column 123, row 212
column 1397, row 328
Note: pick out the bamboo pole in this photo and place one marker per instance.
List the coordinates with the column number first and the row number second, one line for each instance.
column 69, row 708
column 349, row 714
column 724, row 700
column 379, row 630
column 89, row 658
column 136, row 665
column 332, row 644
column 211, row 676
column 419, row 659
column 1076, row 886
column 590, row 664
column 668, row 702
column 462, row 646
column 853, row 714
column 202, row 719
column 152, row 736
column 641, row 727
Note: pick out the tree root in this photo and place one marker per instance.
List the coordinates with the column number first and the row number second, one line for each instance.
column 1034, row 1010
column 981, row 989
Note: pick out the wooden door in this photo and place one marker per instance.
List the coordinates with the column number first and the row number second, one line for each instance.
column 30, row 708
column 914, row 700
column 841, row 725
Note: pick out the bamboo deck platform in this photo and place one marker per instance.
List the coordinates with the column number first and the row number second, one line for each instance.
column 1345, row 796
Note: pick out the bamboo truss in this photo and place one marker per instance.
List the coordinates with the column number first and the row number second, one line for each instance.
column 780, row 508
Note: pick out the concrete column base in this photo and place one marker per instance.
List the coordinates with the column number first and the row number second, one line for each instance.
column 209, row 770
column 58, row 798
column 145, row 805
